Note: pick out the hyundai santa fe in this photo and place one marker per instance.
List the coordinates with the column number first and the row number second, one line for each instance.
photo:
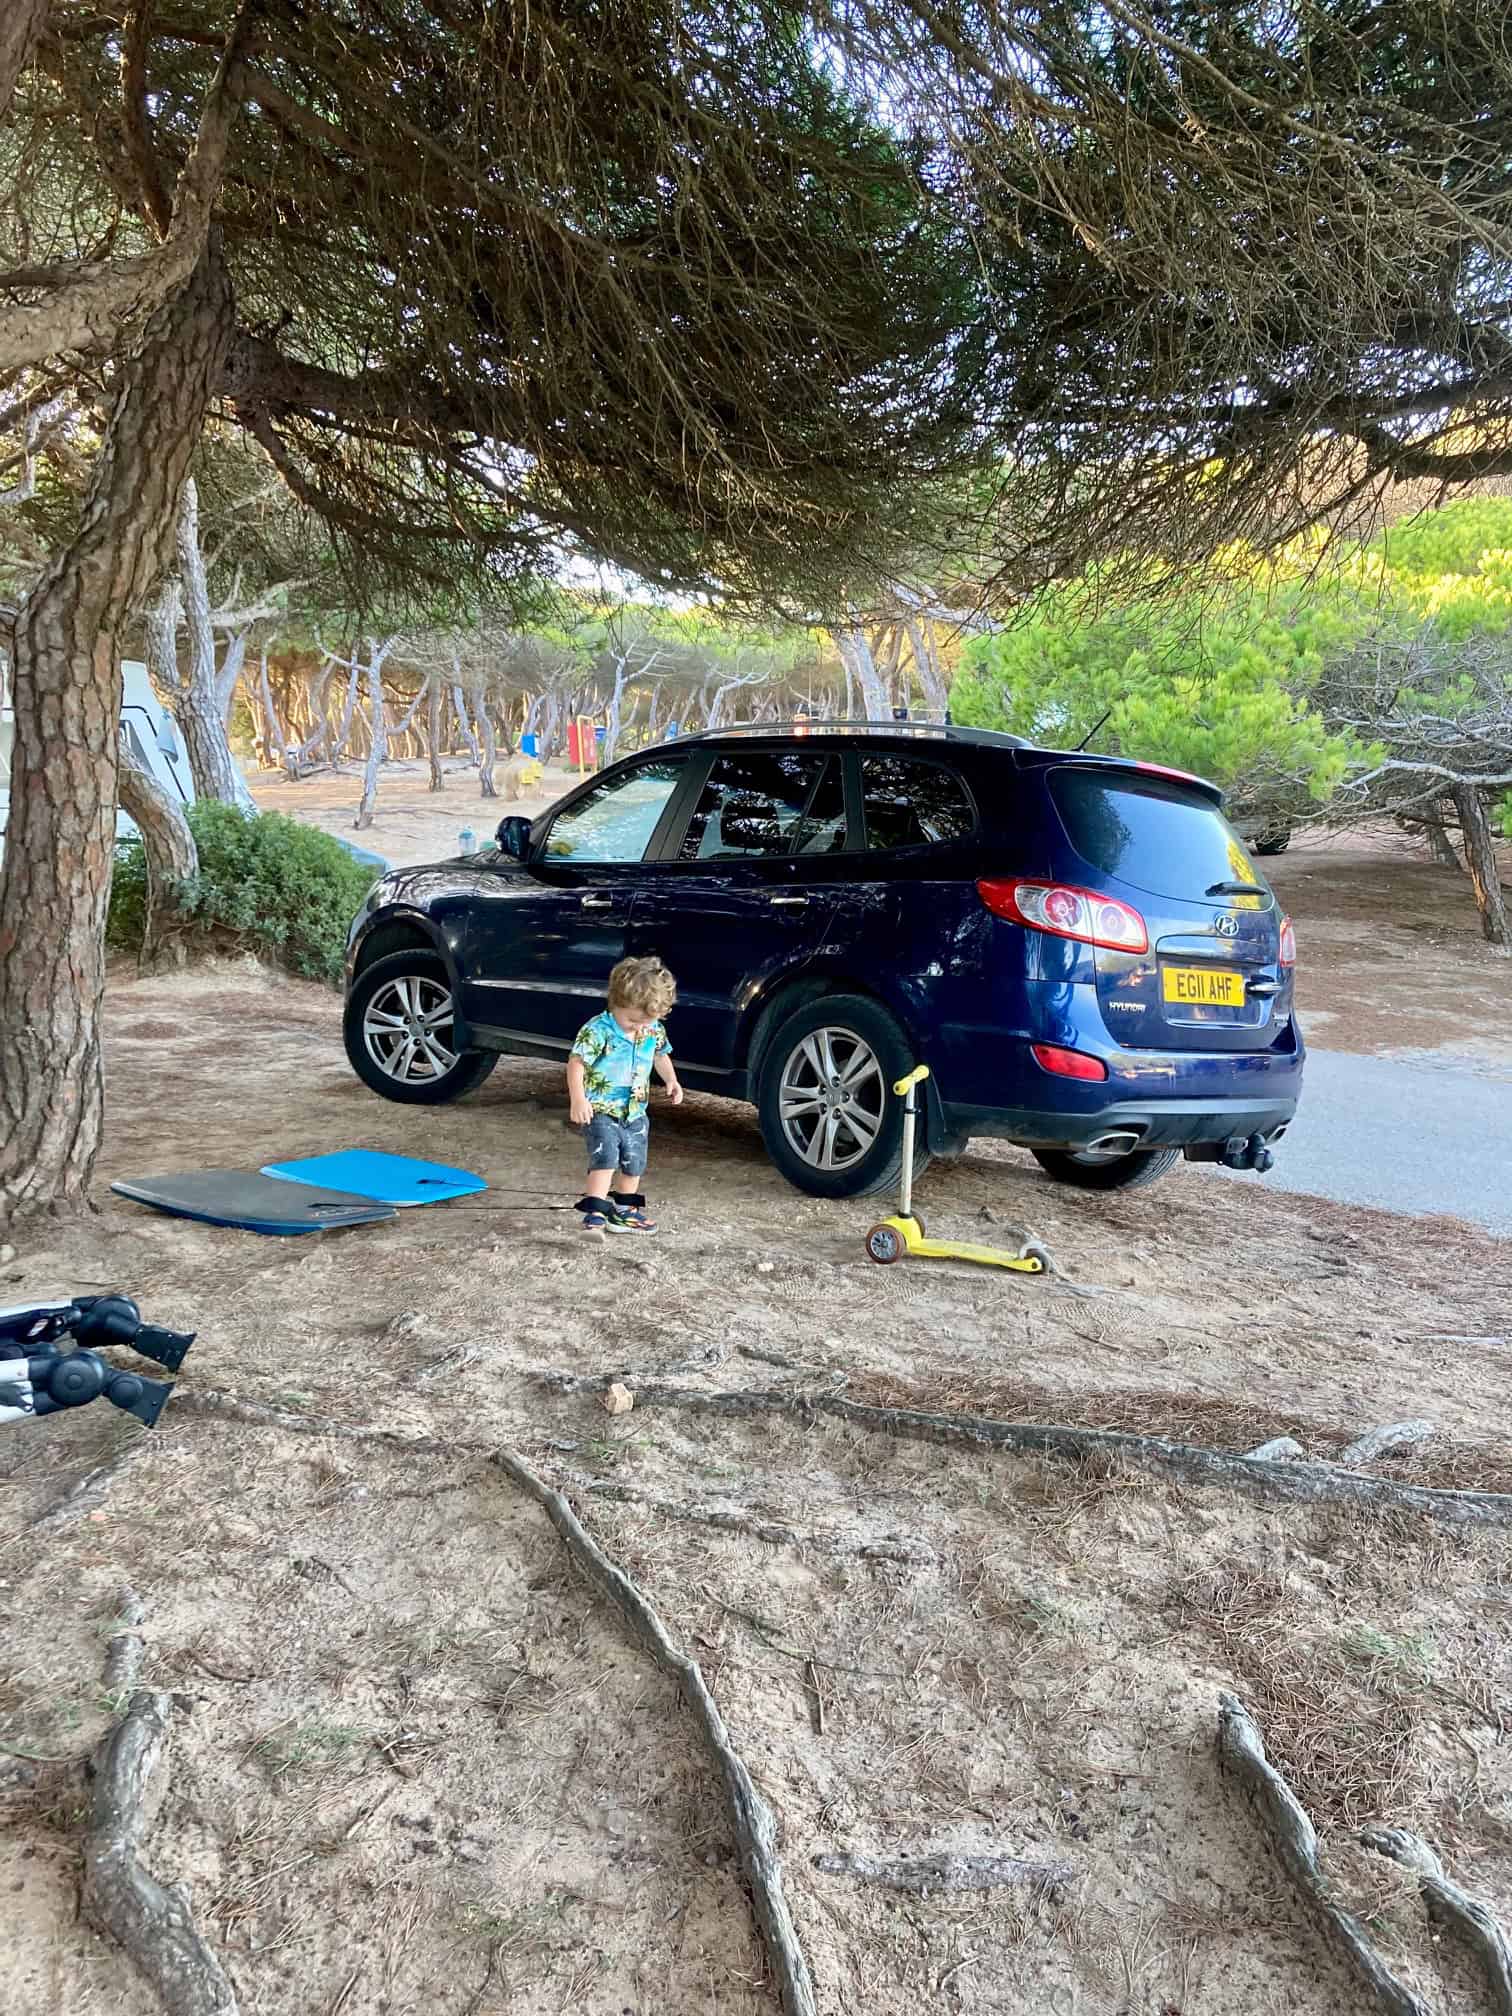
column 1079, row 947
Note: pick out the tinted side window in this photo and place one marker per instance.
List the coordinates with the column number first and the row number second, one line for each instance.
column 1152, row 832
column 824, row 827
column 616, row 820
column 912, row 804
column 751, row 806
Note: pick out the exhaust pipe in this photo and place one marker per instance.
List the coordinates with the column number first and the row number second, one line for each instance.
column 1118, row 1143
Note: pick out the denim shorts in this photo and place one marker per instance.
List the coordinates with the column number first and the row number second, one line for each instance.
column 618, row 1144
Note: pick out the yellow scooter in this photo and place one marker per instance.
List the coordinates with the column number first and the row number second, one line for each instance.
column 904, row 1232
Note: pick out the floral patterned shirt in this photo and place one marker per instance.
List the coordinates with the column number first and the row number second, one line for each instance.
column 617, row 1066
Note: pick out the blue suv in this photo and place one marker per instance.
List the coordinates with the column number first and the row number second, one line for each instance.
column 1079, row 948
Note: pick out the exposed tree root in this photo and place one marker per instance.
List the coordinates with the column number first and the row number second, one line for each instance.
column 208, row 1404
column 123, row 1654
column 751, row 1818
column 1257, row 1477
column 925, row 1873
column 1473, row 1920
column 119, row 1895
column 1241, row 1750
column 729, row 1519
column 1393, row 1435
column 754, row 1826
column 90, row 1492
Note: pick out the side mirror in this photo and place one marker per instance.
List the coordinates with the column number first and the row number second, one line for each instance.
column 514, row 837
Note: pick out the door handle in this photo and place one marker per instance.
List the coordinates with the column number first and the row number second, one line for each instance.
column 1262, row 990
column 596, row 902
column 787, row 902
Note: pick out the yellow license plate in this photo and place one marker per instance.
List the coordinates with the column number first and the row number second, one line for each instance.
column 1203, row 987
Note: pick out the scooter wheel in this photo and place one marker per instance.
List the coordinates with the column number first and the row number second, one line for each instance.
column 884, row 1245
column 1032, row 1250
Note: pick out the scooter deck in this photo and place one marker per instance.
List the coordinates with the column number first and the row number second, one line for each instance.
column 984, row 1256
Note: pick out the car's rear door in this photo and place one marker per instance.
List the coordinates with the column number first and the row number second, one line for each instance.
column 544, row 934
column 1212, row 977
column 743, row 891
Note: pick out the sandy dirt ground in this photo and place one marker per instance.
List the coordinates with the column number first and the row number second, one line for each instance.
column 410, row 822
column 419, row 1764
column 1391, row 958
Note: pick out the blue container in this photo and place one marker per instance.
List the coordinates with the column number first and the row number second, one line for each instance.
column 467, row 841
column 530, row 746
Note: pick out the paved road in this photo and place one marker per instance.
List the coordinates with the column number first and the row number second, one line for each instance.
column 1414, row 1137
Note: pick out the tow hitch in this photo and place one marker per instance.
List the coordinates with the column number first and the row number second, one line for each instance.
column 1238, row 1152
column 1247, row 1154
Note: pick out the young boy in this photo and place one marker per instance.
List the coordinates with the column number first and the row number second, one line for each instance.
column 608, row 1084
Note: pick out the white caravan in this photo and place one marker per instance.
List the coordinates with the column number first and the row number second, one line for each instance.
column 146, row 728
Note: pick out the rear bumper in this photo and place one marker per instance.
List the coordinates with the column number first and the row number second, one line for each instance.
column 1164, row 1123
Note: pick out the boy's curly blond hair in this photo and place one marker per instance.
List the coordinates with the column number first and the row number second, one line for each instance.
column 644, row 987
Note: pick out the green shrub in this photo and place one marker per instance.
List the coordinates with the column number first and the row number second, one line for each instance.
column 266, row 884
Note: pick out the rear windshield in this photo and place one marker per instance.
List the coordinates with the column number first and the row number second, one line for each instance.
column 1153, row 833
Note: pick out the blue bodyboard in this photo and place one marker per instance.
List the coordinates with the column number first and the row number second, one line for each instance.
column 392, row 1179
column 250, row 1203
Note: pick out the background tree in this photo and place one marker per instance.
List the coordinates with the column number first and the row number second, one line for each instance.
column 480, row 282
column 1247, row 266
column 1218, row 682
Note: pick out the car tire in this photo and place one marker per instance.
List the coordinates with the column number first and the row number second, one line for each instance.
column 870, row 1053
column 382, row 990
column 1124, row 1172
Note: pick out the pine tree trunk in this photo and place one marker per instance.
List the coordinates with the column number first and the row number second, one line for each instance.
column 172, row 857
column 459, row 701
column 339, row 739
column 856, row 656
column 300, row 752
column 490, row 749
column 378, row 734
column 55, row 880
column 275, row 740
column 927, row 664
column 1480, row 859
column 21, row 25
column 198, row 707
column 433, row 735
column 1441, row 847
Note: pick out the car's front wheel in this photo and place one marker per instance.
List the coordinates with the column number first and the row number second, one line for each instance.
column 400, row 1032
column 1091, row 1169
column 829, row 1116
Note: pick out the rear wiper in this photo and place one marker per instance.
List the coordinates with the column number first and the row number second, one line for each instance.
column 1235, row 889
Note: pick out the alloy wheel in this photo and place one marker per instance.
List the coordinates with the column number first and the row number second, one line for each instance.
column 407, row 1029
column 832, row 1098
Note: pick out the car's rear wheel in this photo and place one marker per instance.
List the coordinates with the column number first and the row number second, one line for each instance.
column 829, row 1116
column 1092, row 1169
column 400, row 1032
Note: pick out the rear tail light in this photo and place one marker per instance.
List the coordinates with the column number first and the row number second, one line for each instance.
column 1288, row 952
column 1067, row 1063
column 1066, row 912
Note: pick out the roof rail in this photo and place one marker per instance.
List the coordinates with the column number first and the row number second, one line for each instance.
column 923, row 731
